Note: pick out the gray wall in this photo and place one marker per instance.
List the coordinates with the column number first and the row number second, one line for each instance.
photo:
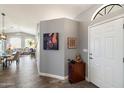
column 52, row 61
column 85, row 19
column 55, row 61
column 71, row 30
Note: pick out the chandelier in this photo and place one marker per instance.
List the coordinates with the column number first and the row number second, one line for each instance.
column 2, row 34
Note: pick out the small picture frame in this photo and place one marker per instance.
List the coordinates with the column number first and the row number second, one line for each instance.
column 72, row 42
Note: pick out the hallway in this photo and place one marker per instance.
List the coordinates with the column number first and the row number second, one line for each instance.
column 25, row 75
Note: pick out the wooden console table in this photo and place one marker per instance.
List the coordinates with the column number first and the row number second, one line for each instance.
column 76, row 72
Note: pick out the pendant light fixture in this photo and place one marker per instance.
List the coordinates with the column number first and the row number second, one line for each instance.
column 2, row 34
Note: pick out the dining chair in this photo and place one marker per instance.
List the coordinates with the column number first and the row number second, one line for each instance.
column 1, row 62
column 14, row 58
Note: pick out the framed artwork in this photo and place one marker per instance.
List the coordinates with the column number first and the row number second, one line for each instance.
column 51, row 41
column 71, row 42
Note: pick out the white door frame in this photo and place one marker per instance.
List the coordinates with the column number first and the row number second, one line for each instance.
column 88, row 78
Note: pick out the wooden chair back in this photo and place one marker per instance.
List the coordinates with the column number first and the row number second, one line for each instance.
column 16, row 57
column 0, row 60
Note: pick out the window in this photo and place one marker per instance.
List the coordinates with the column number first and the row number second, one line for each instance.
column 1, row 46
column 106, row 9
column 30, row 43
column 14, row 43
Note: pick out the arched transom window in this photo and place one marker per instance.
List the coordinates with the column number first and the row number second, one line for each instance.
column 106, row 9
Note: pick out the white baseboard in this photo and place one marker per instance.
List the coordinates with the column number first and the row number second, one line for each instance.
column 53, row 76
column 66, row 77
column 87, row 79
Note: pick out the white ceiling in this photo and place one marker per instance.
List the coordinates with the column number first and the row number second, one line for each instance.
column 24, row 17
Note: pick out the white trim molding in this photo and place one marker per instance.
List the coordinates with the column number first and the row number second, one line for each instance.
column 53, row 76
column 87, row 79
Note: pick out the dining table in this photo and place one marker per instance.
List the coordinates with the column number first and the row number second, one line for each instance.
column 4, row 56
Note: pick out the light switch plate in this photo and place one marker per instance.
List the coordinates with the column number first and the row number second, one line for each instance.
column 85, row 50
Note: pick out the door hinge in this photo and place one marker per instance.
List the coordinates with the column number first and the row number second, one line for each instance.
column 123, row 26
column 123, row 60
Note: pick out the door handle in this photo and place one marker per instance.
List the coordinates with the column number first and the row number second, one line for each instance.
column 90, row 58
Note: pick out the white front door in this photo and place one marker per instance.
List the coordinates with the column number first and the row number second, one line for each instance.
column 106, row 54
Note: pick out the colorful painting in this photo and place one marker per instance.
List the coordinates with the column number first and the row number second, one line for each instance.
column 51, row 41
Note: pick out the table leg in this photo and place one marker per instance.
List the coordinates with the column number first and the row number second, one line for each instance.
column 6, row 63
column 3, row 65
